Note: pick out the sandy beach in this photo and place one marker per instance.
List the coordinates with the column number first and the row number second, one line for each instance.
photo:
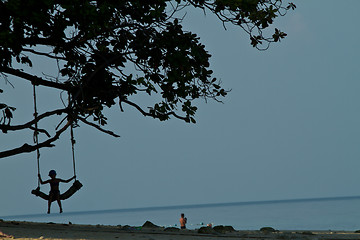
column 31, row 230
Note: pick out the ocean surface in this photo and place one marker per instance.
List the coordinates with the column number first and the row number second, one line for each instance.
column 341, row 213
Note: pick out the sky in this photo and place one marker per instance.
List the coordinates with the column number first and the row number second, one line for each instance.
column 289, row 128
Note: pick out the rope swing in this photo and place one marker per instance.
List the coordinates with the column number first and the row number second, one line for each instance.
column 72, row 139
column 76, row 185
column 36, row 133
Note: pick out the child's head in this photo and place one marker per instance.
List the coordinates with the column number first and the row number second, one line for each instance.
column 52, row 173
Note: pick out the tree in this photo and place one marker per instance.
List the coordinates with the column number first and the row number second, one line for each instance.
column 108, row 51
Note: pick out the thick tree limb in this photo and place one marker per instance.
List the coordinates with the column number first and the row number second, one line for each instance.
column 98, row 127
column 35, row 79
column 26, row 148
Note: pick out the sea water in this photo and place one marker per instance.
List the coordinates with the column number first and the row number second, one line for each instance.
column 304, row 214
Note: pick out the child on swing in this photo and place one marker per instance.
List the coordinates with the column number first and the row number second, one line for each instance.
column 54, row 193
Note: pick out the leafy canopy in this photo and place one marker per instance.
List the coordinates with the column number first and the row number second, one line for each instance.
column 109, row 51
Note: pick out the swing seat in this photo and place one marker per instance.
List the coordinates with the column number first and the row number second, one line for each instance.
column 73, row 189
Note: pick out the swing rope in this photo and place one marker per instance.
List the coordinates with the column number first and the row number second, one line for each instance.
column 76, row 185
column 36, row 133
column 36, row 138
column 72, row 139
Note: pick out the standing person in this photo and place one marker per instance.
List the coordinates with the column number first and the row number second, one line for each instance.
column 54, row 193
column 183, row 221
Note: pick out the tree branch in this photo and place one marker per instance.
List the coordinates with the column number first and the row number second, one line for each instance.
column 44, row 54
column 97, row 127
column 4, row 128
column 26, row 148
column 158, row 115
column 35, row 79
column 41, row 130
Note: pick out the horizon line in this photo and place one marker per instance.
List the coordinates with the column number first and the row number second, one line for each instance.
column 187, row 206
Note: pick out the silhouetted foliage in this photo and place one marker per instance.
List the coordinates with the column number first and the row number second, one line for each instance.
column 108, row 51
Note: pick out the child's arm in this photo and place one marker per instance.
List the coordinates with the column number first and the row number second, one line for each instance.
column 41, row 181
column 68, row 180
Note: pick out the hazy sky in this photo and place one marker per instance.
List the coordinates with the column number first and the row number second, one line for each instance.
column 290, row 128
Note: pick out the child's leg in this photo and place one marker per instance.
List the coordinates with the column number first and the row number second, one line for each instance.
column 59, row 202
column 49, row 204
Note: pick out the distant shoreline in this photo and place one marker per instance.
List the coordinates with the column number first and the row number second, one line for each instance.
column 31, row 230
column 189, row 206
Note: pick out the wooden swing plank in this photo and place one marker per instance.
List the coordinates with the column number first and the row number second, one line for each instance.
column 73, row 189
